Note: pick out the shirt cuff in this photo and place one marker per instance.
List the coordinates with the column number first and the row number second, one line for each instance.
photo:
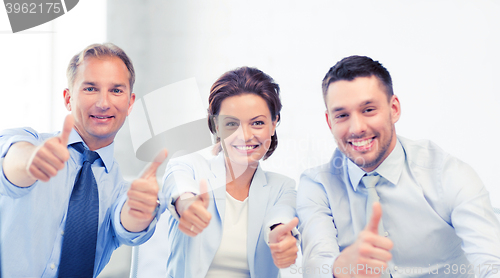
column 171, row 205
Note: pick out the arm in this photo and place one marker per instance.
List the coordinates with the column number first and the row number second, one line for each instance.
column 283, row 209
column 16, row 164
column 280, row 226
column 472, row 217
column 25, row 163
column 319, row 235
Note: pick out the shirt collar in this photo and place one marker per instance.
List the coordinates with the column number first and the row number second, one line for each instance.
column 106, row 153
column 391, row 168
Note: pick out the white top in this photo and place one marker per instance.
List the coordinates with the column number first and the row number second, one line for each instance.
column 231, row 257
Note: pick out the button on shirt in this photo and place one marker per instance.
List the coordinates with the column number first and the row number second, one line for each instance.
column 435, row 210
column 33, row 218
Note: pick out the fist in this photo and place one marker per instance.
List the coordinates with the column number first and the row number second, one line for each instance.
column 193, row 211
column 143, row 193
column 370, row 249
column 51, row 156
column 283, row 245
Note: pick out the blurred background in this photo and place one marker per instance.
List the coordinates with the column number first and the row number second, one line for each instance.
column 443, row 57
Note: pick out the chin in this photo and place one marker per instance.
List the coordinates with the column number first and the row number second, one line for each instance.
column 243, row 160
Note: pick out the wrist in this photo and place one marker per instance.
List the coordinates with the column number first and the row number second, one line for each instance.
column 183, row 202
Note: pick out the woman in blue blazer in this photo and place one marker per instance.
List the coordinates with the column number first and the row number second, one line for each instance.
column 229, row 218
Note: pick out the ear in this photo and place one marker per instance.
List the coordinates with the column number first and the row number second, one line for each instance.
column 131, row 103
column 275, row 122
column 328, row 120
column 395, row 109
column 215, row 125
column 67, row 99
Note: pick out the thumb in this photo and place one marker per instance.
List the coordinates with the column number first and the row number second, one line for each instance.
column 288, row 227
column 372, row 226
column 205, row 198
column 151, row 168
column 66, row 130
column 278, row 233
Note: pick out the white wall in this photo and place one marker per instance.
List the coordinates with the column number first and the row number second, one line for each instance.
column 443, row 57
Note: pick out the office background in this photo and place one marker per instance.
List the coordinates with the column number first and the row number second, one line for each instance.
column 443, row 57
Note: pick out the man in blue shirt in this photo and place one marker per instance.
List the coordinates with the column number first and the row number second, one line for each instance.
column 39, row 170
column 433, row 218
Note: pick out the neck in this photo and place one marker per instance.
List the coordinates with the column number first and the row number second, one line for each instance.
column 238, row 179
column 94, row 144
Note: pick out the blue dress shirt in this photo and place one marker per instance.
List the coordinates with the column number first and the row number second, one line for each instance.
column 33, row 218
column 435, row 208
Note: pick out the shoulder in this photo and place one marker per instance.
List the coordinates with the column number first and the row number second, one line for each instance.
column 423, row 153
column 278, row 180
column 193, row 160
column 325, row 172
column 428, row 161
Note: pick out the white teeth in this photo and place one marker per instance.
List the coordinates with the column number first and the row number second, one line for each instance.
column 362, row 143
column 245, row 148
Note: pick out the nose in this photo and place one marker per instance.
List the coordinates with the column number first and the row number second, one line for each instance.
column 103, row 101
column 357, row 125
column 245, row 133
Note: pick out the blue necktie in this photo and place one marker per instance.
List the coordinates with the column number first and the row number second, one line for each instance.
column 82, row 219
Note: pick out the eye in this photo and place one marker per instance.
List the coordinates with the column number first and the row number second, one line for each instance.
column 117, row 91
column 231, row 124
column 341, row 116
column 90, row 89
column 369, row 110
column 258, row 123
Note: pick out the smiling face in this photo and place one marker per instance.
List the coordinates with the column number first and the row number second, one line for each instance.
column 100, row 100
column 245, row 127
column 362, row 120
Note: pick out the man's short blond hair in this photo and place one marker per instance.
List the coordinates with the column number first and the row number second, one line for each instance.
column 98, row 51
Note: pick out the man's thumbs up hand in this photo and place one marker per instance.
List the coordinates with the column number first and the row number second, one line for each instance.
column 370, row 250
column 51, row 156
column 142, row 196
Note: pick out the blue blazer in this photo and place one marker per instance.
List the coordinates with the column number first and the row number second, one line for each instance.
column 271, row 200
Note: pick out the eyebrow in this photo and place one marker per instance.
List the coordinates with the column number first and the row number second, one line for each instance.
column 234, row 118
column 338, row 109
column 230, row 118
column 257, row 117
column 89, row 83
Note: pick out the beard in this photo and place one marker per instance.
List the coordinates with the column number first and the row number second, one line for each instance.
column 381, row 154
